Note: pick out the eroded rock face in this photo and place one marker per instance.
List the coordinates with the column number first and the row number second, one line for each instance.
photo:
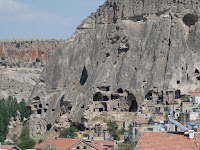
column 23, row 52
column 125, row 50
column 14, row 128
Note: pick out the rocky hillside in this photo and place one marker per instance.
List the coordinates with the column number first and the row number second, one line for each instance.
column 24, row 52
column 21, row 62
column 128, row 55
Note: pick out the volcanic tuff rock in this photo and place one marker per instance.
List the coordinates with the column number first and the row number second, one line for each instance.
column 23, row 52
column 120, row 53
column 18, row 67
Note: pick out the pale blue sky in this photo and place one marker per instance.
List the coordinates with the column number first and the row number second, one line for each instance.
column 43, row 18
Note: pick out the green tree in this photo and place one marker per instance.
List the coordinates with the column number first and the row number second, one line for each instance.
column 2, row 135
column 25, row 141
column 113, row 129
column 37, row 60
column 3, row 58
column 18, row 45
column 8, row 108
column 68, row 133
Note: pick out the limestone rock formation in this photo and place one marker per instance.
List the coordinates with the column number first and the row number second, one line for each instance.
column 19, row 68
column 128, row 52
column 23, row 52
column 14, row 127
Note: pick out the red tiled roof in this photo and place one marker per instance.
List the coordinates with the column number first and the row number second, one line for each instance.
column 61, row 144
column 144, row 121
column 195, row 93
column 8, row 147
column 98, row 146
column 104, row 142
column 5, row 147
column 167, row 141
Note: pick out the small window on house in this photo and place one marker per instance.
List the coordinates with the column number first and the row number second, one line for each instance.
column 78, row 147
column 84, row 147
column 45, row 110
column 178, row 82
column 53, row 110
column 40, row 105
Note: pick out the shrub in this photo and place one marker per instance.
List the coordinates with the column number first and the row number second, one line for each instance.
column 37, row 60
column 8, row 108
column 18, row 45
column 68, row 133
column 3, row 58
column 113, row 129
column 185, row 98
column 25, row 141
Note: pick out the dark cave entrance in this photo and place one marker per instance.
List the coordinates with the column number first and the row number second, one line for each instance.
column 49, row 127
column 132, row 103
column 190, row 19
column 84, row 76
column 100, row 97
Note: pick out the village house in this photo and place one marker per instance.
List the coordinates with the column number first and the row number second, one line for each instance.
column 9, row 147
column 195, row 97
column 74, row 144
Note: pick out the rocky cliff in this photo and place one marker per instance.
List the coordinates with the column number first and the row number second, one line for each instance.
column 23, row 52
column 21, row 62
column 127, row 52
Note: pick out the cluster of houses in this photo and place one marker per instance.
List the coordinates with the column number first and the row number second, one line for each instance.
column 68, row 144
column 180, row 129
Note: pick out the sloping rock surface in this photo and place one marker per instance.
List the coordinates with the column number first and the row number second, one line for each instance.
column 135, row 45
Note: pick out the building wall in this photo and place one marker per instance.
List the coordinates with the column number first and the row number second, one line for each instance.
column 196, row 99
column 194, row 115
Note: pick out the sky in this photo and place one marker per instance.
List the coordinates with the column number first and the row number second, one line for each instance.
column 49, row 19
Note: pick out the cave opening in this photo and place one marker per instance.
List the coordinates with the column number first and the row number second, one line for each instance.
column 197, row 71
column 113, row 96
column 148, row 96
column 84, row 76
column 37, row 98
column 177, row 94
column 49, row 127
column 61, row 100
column 190, row 19
column 132, row 103
column 39, row 111
column 105, row 106
column 99, row 97
column 120, row 90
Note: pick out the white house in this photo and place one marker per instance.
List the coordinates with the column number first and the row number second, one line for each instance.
column 195, row 97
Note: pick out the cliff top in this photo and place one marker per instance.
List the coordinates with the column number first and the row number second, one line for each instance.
column 28, row 39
